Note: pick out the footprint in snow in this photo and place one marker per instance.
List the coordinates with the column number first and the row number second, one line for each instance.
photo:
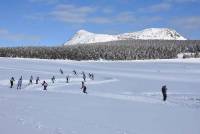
column 74, row 132
column 21, row 120
column 39, row 125
column 58, row 131
column 121, row 131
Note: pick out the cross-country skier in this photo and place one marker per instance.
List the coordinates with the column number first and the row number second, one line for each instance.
column 82, row 84
column 31, row 80
column 45, row 85
column 61, row 71
column 12, row 82
column 74, row 72
column 84, row 76
column 67, row 79
column 84, row 89
column 19, row 84
column 37, row 79
column 91, row 76
column 53, row 79
column 164, row 92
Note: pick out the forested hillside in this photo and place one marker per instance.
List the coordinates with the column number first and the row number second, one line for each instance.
column 115, row 50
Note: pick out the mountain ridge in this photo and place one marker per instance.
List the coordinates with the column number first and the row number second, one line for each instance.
column 86, row 37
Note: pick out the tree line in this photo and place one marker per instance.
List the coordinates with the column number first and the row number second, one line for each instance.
column 114, row 50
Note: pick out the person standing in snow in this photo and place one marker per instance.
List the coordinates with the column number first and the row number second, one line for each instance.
column 45, row 85
column 91, row 76
column 164, row 92
column 53, row 79
column 67, row 79
column 61, row 71
column 31, row 80
column 12, row 82
column 74, row 72
column 37, row 79
column 84, row 89
column 19, row 84
column 82, row 84
column 84, row 76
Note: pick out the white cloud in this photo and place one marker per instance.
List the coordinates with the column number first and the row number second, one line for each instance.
column 36, row 16
column 44, row 1
column 71, row 13
column 182, row 1
column 125, row 17
column 99, row 20
column 122, row 17
column 189, row 23
column 160, row 7
column 89, row 14
column 156, row 8
column 107, row 10
column 6, row 35
column 3, row 31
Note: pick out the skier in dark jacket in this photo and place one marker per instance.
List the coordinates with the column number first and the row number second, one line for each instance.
column 74, row 72
column 91, row 76
column 67, row 79
column 84, row 89
column 31, row 80
column 84, row 76
column 12, row 82
column 82, row 84
column 164, row 92
column 45, row 85
column 53, row 79
column 37, row 79
column 61, row 71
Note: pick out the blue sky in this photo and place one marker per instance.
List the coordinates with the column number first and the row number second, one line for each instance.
column 53, row 22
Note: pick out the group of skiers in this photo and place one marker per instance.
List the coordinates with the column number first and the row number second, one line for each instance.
column 19, row 83
column 83, row 86
column 45, row 84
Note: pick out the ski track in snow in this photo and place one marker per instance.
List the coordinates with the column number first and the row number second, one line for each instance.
column 153, row 98
column 184, row 99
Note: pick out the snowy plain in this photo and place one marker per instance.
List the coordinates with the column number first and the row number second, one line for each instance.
column 124, row 97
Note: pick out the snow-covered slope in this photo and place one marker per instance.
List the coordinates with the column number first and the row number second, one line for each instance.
column 85, row 37
column 123, row 98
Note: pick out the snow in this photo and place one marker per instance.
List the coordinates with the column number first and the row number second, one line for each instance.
column 124, row 97
column 85, row 37
column 186, row 55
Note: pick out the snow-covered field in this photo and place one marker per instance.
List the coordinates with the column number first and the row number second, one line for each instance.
column 124, row 97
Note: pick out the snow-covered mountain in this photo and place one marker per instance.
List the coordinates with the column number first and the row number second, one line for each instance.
column 85, row 37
